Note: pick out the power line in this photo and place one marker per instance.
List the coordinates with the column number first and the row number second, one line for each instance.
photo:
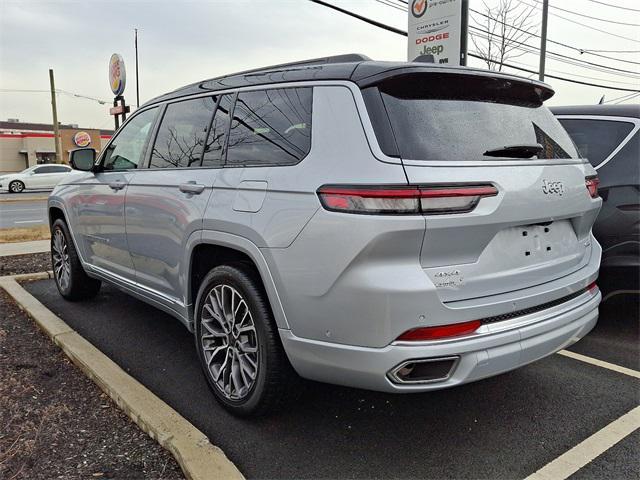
column 613, row 51
column 581, row 50
column 475, row 55
column 615, row 6
column 572, row 60
column 627, row 96
column 585, row 25
column 58, row 91
column 590, row 17
column 388, row 3
column 577, row 49
column 361, row 18
column 403, row 33
column 627, row 99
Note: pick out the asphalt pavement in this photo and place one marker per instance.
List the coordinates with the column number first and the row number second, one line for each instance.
column 504, row 427
column 27, row 213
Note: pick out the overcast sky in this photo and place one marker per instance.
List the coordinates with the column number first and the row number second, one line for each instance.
column 182, row 42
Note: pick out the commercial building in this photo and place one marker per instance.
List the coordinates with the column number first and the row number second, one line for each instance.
column 25, row 144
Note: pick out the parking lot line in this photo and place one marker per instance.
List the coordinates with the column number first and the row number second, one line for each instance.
column 570, row 462
column 600, row 363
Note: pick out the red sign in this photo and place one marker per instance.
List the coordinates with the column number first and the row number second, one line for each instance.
column 119, row 110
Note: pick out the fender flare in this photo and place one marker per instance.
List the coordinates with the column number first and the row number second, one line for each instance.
column 241, row 244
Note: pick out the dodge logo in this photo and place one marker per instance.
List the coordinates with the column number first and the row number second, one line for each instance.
column 552, row 188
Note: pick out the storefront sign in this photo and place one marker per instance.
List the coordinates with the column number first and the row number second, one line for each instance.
column 117, row 74
column 434, row 29
column 82, row 139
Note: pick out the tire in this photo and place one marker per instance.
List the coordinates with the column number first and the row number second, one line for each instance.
column 72, row 281
column 274, row 381
column 16, row 186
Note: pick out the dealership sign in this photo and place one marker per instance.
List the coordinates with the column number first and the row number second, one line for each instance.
column 434, row 29
column 117, row 74
column 82, row 139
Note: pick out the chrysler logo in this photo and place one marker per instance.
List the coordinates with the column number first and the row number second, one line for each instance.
column 552, row 188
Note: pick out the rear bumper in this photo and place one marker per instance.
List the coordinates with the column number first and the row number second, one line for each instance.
column 490, row 351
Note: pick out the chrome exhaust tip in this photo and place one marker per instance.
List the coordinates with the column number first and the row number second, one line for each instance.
column 424, row 370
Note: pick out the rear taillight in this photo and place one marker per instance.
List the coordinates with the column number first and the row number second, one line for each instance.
column 592, row 186
column 400, row 200
column 440, row 332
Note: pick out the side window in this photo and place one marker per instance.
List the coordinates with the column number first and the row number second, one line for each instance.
column 596, row 139
column 214, row 147
column 40, row 170
column 182, row 133
column 59, row 169
column 271, row 127
column 127, row 148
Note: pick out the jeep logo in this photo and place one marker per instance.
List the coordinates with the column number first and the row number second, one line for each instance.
column 552, row 188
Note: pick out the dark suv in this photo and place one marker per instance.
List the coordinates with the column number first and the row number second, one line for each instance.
column 608, row 136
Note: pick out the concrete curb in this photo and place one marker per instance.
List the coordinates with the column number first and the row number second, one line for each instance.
column 24, row 248
column 197, row 457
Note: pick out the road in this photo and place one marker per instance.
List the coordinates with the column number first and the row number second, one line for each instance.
column 503, row 427
column 28, row 213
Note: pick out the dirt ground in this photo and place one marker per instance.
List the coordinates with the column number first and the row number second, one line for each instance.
column 55, row 422
column 35, row 262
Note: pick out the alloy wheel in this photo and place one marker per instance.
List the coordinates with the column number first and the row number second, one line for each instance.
column 16, row 187
column 229, row 342
column 61, row 262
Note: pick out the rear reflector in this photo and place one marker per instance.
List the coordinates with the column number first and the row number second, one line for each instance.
column 440, row 332
column 592, row 186
column 401, row 200
column 592, row 287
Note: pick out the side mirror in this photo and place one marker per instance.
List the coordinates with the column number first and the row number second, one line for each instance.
column 82, row 159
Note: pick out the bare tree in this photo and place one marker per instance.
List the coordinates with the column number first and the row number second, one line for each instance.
column 502, row 30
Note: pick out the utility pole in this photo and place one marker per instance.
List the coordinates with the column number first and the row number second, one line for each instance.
column 543, row 39
column 464, row 32
column 54, row 109
column 137, row 84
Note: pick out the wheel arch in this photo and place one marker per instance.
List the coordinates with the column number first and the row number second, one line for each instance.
column 56, row 213
column 217, row 248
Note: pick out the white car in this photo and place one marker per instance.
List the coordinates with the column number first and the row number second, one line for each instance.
column 36, row 177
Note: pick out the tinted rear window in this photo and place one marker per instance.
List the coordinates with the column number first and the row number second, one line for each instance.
column 435, row 118
column 596, row 139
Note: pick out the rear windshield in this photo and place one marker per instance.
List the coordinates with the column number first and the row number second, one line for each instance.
column 452, row 118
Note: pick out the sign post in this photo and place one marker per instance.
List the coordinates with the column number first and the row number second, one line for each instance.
column 117, row 82
column 436, row 29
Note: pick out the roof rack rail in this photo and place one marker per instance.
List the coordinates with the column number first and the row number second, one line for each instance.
column 345, row 58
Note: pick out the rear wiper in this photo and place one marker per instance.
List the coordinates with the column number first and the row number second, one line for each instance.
column 515, row 151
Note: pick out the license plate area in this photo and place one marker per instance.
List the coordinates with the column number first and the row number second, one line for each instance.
column 543, row 242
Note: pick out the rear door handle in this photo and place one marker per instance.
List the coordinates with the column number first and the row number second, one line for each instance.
column 191, row 187
column 117, row 185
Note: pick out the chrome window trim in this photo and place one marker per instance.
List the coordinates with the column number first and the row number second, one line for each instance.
column 607, row 118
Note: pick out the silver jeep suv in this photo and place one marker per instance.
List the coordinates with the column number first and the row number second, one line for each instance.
column 400, row 227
